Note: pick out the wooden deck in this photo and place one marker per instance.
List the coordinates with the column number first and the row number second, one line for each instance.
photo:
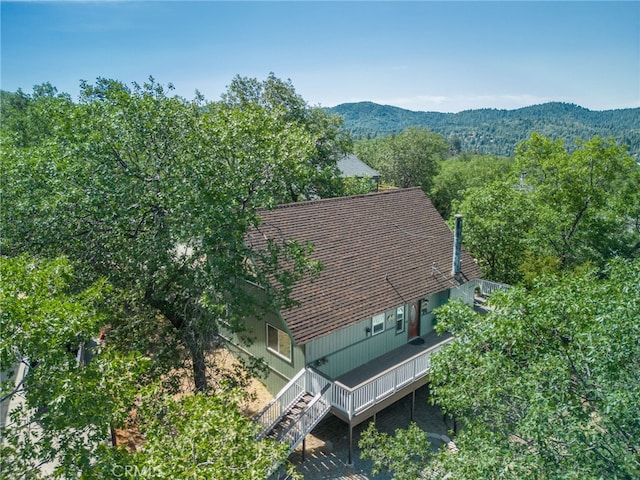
column 388, row 361
column 360, row 393
column 365, row 390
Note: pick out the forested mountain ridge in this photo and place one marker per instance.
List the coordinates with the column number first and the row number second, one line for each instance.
column 494, row 131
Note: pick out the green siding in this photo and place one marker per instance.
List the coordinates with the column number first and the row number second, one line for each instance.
column 427, row 317
column 253, row 341
column 354, row 345
column 333, row 354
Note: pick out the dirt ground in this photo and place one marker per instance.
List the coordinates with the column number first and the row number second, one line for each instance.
column 257, row 396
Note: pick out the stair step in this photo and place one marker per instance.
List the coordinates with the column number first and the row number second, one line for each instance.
column 290, row 417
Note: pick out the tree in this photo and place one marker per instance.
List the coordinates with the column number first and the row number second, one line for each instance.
column 25, row 118
column 546, row 384
column 207, row 437
column 406, row 454
column 331, row 142
column 497, row 220
column 457, row 174
column 556, row 210
column 67, row 409
column 582, row 199
column 61, row 428
column 155, row 194
column 409, row 159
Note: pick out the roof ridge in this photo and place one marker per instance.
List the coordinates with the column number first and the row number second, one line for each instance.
column 340, row 198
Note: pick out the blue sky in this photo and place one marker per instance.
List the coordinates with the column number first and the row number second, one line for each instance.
column 421, row 55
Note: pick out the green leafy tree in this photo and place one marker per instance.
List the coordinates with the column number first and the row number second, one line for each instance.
column 406, row 454
column 497, row 220
column 206, row 437
column 331, row 142
column 457, row 174
column 155, row 194
column 358, row 186
column 546, row 385
column 582, row 199
column 410, row 159
column 26, row 117
column 556, row 210
column 60, row 413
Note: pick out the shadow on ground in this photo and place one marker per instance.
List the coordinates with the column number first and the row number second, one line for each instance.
column 327, row 447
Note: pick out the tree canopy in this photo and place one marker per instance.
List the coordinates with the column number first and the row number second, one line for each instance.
column 153, row 194
column 459, row 173
column 63, row 410
column 409, row 159
column 330, row 141
column 585, row 201
column 547, row 383
column 67, row 409
column 555, row 210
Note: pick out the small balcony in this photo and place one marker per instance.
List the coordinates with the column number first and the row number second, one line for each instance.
column 367, row 389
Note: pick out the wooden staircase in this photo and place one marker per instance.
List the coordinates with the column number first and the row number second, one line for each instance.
column 297, row 408
column 289, row 418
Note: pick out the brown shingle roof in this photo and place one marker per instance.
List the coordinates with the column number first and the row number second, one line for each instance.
column 377, row 251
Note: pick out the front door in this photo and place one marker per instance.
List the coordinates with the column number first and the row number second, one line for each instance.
column 414, row 321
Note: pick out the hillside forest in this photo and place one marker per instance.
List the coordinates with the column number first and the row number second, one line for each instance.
column 493, row 131
column 123, row 218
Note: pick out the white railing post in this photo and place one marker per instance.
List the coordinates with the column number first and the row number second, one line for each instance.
column 350, row 404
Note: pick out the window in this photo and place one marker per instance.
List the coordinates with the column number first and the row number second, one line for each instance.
column 377, row 324
column 400, row 319
column 278, row 342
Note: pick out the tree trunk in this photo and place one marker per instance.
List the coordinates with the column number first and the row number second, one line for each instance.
column 188, row 336
column 199, row 365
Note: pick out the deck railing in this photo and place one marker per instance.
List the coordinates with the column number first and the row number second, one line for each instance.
column 487, row 287
column 315, row 381
column 328, row 393
column 354, row 400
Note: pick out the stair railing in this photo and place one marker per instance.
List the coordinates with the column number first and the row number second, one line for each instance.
column 315, row 411
column 276, row 408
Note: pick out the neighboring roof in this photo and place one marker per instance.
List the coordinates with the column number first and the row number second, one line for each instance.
column 351, row 166
column 378, row 251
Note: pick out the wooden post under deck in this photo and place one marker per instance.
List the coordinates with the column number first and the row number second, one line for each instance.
column 413, row 403
column 350, row 459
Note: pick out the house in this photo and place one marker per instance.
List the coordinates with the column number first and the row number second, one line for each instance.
column 352, row 166
column 360, row 335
